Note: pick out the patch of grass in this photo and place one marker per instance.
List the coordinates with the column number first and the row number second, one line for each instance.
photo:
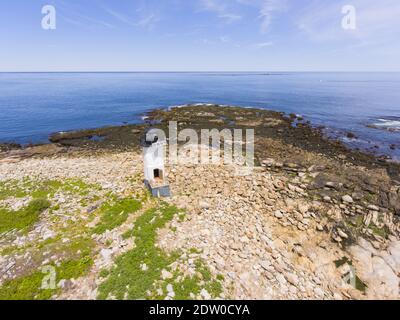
column 30, row 287
column 202, row 269
column 188, row 287
column 115, row 213
column 50, row 187
column 220, row 277
column 184, row 288
column 80, row 187
column 82, row 246
column 214, row 288
column 104, row 273
column 44, row 189
column 25, row 288
column 127, row 280
column 194, row 251
column 382, row 232
column 77, row 256
column 24, row 218
column 127, row 234
column 74, row 269
column 194, row 284
column 11, row 188
column 87, row 200
column 8, row 251
column 136, row 178
column 357, row 224
column 31, row 245
column 127, row 277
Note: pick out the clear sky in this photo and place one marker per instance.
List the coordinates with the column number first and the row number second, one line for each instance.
column 200, row 35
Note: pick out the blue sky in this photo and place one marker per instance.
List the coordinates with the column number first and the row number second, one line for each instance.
column 200, row 35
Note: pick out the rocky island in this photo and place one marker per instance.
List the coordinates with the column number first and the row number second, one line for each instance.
column 313, row 220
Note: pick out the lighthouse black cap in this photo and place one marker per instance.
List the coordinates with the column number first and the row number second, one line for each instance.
column 149, row 138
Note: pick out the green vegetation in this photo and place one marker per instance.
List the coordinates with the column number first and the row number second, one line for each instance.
column 342, row 261
column 127, row 277
column 50, row 187
column 9, row 250
column 135, row 275
column 220, row 277
column 356, row 224
column 77, row 262
column 75, row 253
column 359, row 284
column 115, row 213
column 43, row 189
column 382, row 232
column 31, row 245
column 194, row 251
column 25, row 288
column 192, row 285
column 82, row 246
column 104, row 273
column 11, row 188
column 23, row 218
column 74, row 269
column 30, row 287
column 128, row 280
column 182, row 217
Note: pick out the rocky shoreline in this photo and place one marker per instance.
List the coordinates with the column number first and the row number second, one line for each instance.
column 311, row 213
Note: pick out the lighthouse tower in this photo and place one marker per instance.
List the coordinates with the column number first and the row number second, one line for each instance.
column 154, row 166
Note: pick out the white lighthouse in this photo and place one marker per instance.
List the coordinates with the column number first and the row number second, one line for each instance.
column 154, row 165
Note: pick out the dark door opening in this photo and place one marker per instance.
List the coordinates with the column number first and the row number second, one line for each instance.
column 157, row 174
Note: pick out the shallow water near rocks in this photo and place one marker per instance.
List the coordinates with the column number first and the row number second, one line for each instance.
column 33, row 105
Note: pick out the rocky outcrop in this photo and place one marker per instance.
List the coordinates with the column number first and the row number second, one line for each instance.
column 380, row 269
column 266, row 235
column 307, row 216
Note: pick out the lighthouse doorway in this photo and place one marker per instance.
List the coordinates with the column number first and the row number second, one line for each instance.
column 158, row 174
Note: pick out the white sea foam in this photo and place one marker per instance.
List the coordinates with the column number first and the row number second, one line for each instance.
column 387, row 124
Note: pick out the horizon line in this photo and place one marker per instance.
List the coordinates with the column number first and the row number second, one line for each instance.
column 214, row 71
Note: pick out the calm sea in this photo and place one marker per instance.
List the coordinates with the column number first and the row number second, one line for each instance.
column 33, row 105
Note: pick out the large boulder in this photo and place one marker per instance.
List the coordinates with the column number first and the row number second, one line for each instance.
column 377, row 269
column 394, row 201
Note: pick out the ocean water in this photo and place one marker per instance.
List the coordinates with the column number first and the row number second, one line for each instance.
column 34, row 105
